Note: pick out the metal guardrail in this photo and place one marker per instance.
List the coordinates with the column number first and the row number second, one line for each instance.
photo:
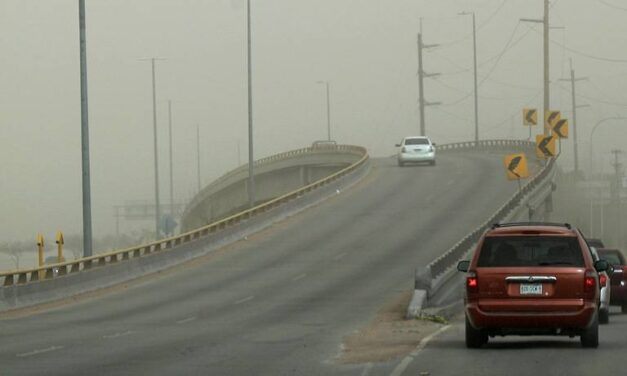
column 452, row 255
column 51, row 271
column 273, row 158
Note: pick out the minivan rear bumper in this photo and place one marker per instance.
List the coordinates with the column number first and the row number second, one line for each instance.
column 528, row 320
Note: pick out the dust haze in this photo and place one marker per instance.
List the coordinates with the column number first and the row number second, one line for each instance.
column 365, row 49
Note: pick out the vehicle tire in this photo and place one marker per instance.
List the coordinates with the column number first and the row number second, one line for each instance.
column 623, row 308
column 400, row 164
column 590, row 336
column 475, row 338
column 604, row 316
column 432, row 163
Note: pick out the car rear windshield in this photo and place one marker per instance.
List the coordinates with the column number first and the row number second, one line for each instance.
column 530, row 251
column 611, row 256
column 416, row 141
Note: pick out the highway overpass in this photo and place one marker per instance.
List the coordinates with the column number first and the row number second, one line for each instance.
column 279, row 301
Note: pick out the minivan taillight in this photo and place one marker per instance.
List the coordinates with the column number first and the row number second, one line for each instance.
column 602, row 280
column 589, row 281
column 472, row 282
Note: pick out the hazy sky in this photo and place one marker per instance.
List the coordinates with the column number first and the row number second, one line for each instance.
column 366, row 49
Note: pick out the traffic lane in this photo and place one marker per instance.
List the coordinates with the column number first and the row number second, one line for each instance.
column 140, row 310
column 518, row 355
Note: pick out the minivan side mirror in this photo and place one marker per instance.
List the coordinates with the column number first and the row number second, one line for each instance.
column 433, row 143
column 398, row 145
column 463, row 266
column 601, row 266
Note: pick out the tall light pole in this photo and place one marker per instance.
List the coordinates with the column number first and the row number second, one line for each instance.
column 171, row 164
column 251, row 171
column 326, row 83
column 198, row 155
column 87, row 233
column 545, row 26
column 156, row 156
column 474, row 49
column 590, row 146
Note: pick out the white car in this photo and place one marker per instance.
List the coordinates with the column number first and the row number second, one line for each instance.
column 416, row 149
column 604, row 283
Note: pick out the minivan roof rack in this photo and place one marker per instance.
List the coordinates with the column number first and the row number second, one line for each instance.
column 513, row 224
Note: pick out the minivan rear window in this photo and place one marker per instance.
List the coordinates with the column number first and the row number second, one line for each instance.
column 530, row 251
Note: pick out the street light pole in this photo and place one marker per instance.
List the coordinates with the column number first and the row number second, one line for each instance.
column 474, row 48
column 251, row 172
column 86, row 180
column 171, row 164
column 326, row 83
column 156, row 156
column 198, row 155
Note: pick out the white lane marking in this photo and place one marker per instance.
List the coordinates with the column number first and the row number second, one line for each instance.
column 244, row 300
column 299, row 277
column 340, row 256
column 186, row 320
column 117, row 335
column 398, row 371
column 367, row 369
column 40, row 351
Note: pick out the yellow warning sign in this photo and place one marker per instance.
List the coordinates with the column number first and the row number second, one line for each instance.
column 530, row 116
column 545, row 146
column 551, row 118
column 516, row 166
column 560, row 129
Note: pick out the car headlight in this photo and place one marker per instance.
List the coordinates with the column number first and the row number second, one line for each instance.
column 431, row 149
column 403, row 150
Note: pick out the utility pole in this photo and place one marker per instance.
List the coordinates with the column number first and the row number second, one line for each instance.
column 618, row 169
column 474, row 49
column 421, row 75
column 545, row 25
column 171, row 164
column 86, row 179
column 572, row 80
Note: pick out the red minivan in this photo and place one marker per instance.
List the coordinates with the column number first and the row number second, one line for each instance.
column 532, row 279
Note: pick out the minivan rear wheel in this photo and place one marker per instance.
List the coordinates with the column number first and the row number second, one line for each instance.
column 590, row 336
column 475, row 338
column 623, row 308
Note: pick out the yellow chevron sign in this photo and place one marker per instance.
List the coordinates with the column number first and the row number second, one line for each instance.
column 551, row 118
column 545, row 146
column 516, row 166
column 560, row 129
column 530, row 116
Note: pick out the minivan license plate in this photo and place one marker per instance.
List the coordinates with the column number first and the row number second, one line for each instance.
column 531, row 289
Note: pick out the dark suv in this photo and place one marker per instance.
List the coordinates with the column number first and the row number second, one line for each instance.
column 532, row 279
column 618, row 280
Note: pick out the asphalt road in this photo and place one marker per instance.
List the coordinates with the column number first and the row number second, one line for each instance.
column 277, row 303
column 446, row 354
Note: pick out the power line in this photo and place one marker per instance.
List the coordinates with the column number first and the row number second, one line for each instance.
column 612, row 5
column 585, row 54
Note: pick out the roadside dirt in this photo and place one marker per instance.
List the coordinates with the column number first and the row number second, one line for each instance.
column 388, row 336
